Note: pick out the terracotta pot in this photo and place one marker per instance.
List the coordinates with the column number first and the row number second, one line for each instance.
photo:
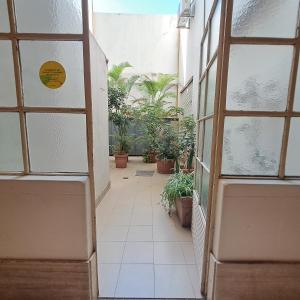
column 165, row 166
column 184, row 208
column 121, row 160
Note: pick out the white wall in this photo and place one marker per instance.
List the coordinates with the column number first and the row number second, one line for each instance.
column 148, row 42
column 100, row 118
column 189, row 52
column 189, row 65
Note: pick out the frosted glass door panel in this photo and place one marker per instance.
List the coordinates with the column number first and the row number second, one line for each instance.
column 207, row 142
column 202, row 98
column 7, row 76
column 204, row 191
column 270, row 18
column 10, row 143
column 297, row 91
column 252, row 145
column 49, row 16
column 4, row 21
column 258, row 77
column 70, row 56
column 215, row 30
column 57, row 142
column 198, row 178
column 208, row 6
column 211, row 88
column 204, row 54
column 293, row 154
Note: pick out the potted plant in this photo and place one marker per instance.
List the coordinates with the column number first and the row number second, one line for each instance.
column 121, row 149
column 168, row 150
column 120, row 113
column 154, row 110
column 187, row 143
column 178, row 194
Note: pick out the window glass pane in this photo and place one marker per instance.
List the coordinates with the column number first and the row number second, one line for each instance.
column 57, row 142
column 70, row 56
column 207, row 142
column 293, row 160
column 211, row 89
column 258, row 77
column 7, row 76
column 215, row 30
column 297, row 91
column 252, row 145
column 204, row 191
column 204, row 54
column 52, row 16
column 273, row 18
column 200, row 139
column 208, row 6
column 4, row 21
column 198, row 177
column 10, row 143
column 202, row 98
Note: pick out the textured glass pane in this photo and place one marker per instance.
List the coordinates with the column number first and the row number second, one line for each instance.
column 293, row 154
column 202, row 98
column 4, row 21
column 204, row 54
column 7, row 76
column 258, row 77
column 200, row 139
column 271, row 18
column 215, row 30
column 49, row 16
column 297, row 91
column 207, row 142
column 204, row 191
column 211, row 89
column 208, row 6
column 10, row 143
column 252, row 145
column 198, row 178
column 69, row 55
column 57, row 142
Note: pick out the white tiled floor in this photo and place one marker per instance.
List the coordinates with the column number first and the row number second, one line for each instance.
column 142, row 252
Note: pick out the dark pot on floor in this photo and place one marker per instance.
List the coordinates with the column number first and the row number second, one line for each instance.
column 152, row 157
column 121, row 160
column 165, row 166
column 184, row 208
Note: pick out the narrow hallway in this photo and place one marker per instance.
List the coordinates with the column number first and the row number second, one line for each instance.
column 142, row 252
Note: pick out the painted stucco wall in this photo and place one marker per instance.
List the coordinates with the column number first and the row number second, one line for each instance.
column 189, row 52
column 189, row 66
column 148, row 42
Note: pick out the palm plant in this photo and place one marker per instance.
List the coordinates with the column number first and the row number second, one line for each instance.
column 119, row 88
column 117, row 80
column 153, row 109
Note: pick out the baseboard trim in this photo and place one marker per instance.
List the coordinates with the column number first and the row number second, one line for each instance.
column 103, row 194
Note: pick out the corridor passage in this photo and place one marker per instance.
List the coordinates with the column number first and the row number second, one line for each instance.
column 142, row 252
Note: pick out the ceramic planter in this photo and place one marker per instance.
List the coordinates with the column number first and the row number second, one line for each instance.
column 165, row 166
column 121, row 160
column 184, row 208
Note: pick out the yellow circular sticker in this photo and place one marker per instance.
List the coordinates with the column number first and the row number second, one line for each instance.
column 52, row 74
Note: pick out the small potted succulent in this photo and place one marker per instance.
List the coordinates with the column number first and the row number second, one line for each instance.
column 168, row 150
column 178, row 194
